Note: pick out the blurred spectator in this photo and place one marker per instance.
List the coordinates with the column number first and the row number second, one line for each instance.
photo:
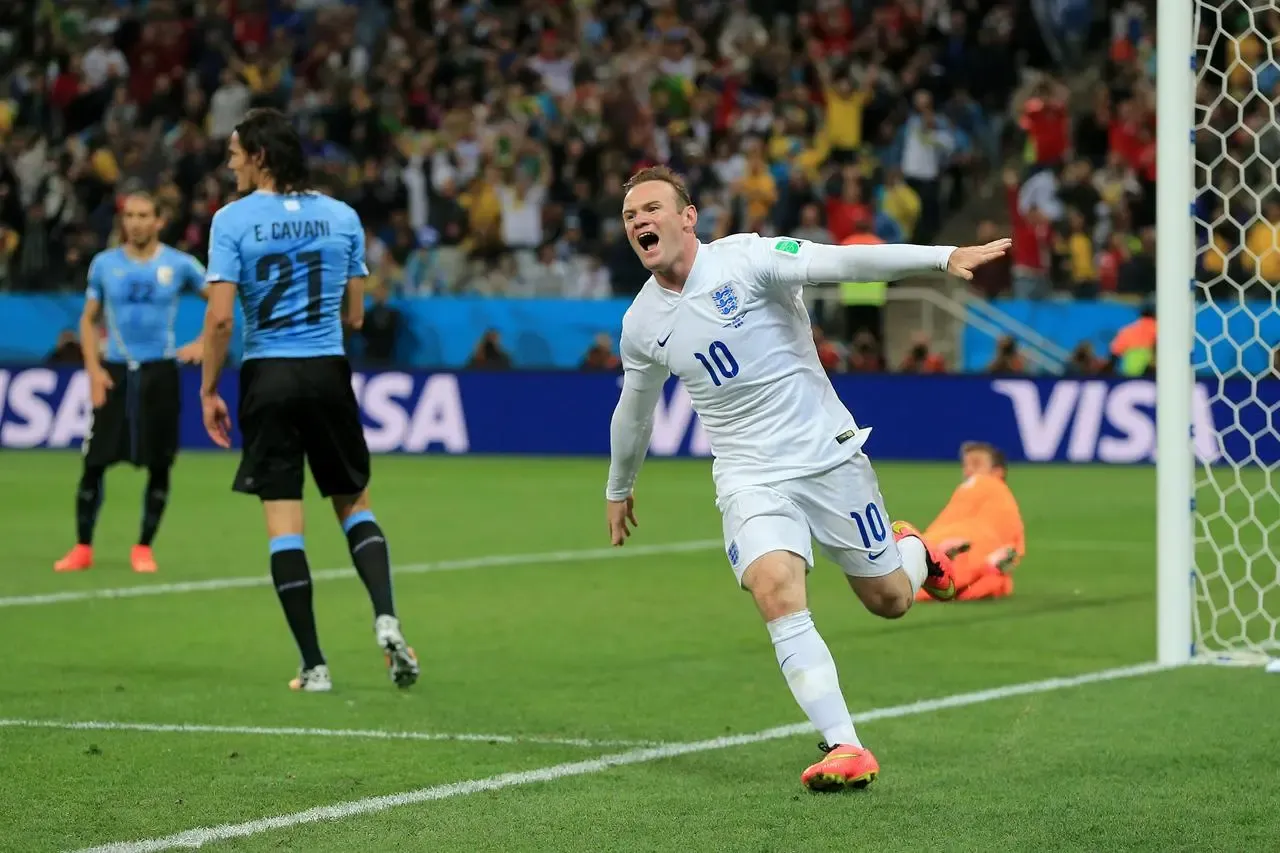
column 1047, row 124
column 921, row 358
column 1262, row 255
column 901, row 204
column 864, row 354
column 547, row 276
column 1083, row 361
column 589, row 279
column 1032, row 246
column 601, row 355
column 1007, row 359
column 828, row 352
column 847, row 213
column 1133, row 349
column 1076, row 247
column 9, row 240
column 67, row 350
column 489, row 354
column 811, row 227
column 927, row 146
column 993, row 279
column 1138, row 272
column 380, row 330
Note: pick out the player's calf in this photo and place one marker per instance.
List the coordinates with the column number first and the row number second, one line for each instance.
column 887, row 596
column 89, row 493
column 368, row 548
column 292, row 578
column 372, row 560
column 154, row 501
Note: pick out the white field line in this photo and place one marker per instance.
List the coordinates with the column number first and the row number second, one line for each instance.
column 354, row 808
column 486, row 562
column 292, row 731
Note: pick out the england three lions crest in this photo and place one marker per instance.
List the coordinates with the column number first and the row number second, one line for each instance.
column 726, row 300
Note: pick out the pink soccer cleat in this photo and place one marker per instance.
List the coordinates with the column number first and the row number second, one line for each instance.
column 842, row 767
column 78, row 559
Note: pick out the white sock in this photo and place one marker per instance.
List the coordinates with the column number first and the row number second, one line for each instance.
column 914, row 561
column 811, row 674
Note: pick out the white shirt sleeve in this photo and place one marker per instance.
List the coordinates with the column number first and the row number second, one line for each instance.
column 632, row 424
column 782, row 261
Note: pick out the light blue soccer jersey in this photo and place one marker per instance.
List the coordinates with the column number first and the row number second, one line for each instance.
column 140, row 300
column 290, row 257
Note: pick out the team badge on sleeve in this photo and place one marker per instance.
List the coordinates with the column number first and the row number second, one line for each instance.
column 726, row 300
column 787, row 246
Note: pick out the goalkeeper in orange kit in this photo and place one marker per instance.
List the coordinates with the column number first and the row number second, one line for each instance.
column 980, row 528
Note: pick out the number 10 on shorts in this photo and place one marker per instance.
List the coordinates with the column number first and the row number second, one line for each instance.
column 870, row 524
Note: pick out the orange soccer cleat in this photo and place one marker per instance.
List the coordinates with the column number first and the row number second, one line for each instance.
column 843, row 767
column 940, row 582
column 77, row 559
column 144, row 562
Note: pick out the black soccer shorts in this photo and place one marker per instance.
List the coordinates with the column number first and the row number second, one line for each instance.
column 296, row 409
column 139, row 421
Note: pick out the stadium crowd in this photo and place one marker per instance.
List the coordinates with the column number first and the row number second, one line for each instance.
column 1082, row 205
column 1083, row 209
column 485, row 144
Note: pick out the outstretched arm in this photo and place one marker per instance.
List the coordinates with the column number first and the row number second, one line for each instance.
column 789, row 261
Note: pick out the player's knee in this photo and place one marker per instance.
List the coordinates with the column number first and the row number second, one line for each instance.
column 776, row 582
column 346, row 506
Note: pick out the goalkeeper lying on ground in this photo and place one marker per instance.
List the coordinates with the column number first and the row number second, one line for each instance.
column 980, row 527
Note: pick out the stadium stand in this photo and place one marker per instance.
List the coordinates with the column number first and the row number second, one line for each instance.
column 485, row 144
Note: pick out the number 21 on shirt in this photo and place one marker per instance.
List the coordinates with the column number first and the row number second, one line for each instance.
column 718, row 362
column 282, row 267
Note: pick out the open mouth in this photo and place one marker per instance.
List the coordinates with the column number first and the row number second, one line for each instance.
column 647, row 240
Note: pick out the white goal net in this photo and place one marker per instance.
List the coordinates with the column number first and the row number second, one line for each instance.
column 1236, row 354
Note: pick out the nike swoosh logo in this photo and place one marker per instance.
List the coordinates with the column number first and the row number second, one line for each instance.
column 663, row 342
column 877, row 554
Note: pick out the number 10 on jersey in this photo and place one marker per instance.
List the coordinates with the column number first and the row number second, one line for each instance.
column 719, row 362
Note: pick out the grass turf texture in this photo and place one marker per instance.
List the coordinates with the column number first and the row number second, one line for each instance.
column 660, row 647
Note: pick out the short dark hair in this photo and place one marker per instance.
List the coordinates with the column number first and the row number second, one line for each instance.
column 666, row 175
column 998, row 459
column 146, row 196
column 269, row 133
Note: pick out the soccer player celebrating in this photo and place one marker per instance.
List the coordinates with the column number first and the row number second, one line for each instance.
column 981, row 526
column 728, row 318
column 133, row 290
column 290, row 254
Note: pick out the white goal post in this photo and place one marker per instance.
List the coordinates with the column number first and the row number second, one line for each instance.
column 1218, row 198
column 1175, row 316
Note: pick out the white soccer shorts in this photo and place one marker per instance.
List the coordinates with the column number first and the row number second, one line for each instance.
column 842, row 509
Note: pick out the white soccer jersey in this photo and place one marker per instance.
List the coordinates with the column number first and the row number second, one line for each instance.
column 738, row 336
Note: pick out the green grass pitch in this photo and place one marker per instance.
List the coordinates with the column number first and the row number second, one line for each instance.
column 610, row 649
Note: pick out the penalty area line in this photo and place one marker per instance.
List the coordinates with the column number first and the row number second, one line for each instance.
column 299, row 731
column 355, row 808
column 490, row 561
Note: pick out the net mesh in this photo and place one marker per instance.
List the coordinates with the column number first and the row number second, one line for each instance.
column 1236, row 358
